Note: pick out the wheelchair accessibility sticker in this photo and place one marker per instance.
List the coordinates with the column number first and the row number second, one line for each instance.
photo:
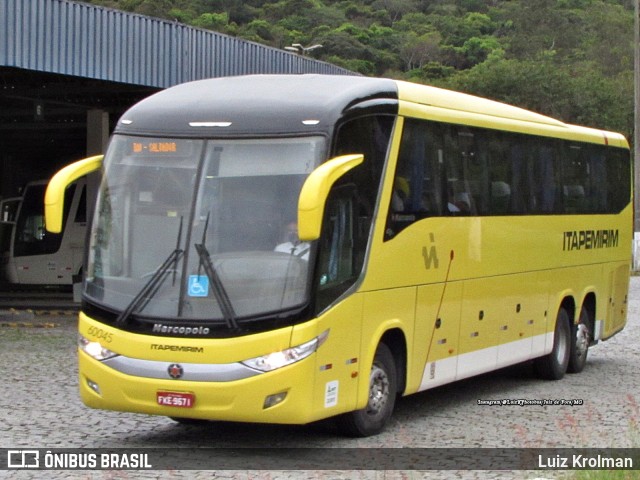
column 198, row 286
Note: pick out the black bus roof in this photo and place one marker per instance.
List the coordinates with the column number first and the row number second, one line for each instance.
column 265, row 105
column 257, row 104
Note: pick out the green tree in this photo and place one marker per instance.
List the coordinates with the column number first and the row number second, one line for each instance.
column 212, row 21
column 416, row 51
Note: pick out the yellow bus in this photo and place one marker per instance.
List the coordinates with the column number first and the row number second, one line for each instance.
column 286, row 249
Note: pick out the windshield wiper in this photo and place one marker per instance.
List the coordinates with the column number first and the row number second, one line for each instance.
column 153, row 285
column 222, row 297
column 218, row 288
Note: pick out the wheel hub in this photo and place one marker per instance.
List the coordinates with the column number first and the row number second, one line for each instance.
column 582, row 339
column 378, row 391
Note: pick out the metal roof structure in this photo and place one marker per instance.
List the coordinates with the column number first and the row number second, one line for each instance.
column 79, row 39
column 64, row 64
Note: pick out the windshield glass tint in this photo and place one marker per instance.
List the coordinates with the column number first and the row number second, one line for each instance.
column 201, row 229
column 31, row 237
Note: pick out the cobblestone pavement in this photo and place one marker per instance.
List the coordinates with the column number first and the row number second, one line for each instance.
column 41, row 409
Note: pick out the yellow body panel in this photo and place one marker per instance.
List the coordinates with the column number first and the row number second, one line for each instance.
column 321, row 385
column 241, row 400
column 489, row 246
column 437, row 329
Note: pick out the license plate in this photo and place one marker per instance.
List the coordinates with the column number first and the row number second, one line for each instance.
column 176, row 399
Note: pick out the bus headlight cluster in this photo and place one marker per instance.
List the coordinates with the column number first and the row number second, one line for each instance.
column 94, row 349
column 275, row 360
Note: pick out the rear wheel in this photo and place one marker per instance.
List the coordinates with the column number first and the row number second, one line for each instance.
column 382, row 396
column 554, row 365
column 580, row 338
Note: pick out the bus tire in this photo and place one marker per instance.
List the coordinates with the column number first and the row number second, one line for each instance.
column 554, row 365
column 372, row 419
column 580, row 339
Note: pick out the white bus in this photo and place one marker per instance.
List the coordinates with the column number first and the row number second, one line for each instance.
column 36, row 256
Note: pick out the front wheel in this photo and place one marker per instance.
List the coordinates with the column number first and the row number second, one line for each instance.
column 554, row 365
column 382, row 396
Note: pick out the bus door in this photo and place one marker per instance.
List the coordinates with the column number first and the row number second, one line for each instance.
column 8, row 211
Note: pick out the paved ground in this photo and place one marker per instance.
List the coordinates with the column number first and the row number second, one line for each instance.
column 41, row 409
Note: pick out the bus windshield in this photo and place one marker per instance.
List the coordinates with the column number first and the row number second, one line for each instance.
column 204, row 228
column 31, row 238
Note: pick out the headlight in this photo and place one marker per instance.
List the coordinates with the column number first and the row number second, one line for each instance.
column 275, row 360
column 94, row 349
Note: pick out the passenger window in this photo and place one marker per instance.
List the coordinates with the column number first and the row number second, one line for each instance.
column 543, row 179
column 575, row 170
column 465, row 172
column 454, row 187
column 418, row 182
column 455, row 170
column 617, row 183
column 499, row 181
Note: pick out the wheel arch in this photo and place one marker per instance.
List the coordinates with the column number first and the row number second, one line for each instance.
column 395, row 339
column 568, row 303
column 590, row 303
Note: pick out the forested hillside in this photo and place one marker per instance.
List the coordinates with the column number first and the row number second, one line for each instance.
column 572, row 59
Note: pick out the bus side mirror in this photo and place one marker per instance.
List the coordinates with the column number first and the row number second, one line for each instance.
column 54, row 197
column 315, row 191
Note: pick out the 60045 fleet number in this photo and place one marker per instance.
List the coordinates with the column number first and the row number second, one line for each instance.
column 100, row 334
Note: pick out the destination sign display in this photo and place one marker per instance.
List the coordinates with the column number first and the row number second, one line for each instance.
column 154, row 147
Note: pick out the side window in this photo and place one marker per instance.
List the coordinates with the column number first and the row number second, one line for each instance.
column 350, row 207
column 440, row 171
column 418, row 181
column 599, row 182
column 455, row 170
column 522, row 175
column 465, row 172
column 603, row 174
column 618, row 179
column 500, row 179
column 337, row 259
column 607, row 185
column 575, row 179
column 544, row 179
column 417, row 184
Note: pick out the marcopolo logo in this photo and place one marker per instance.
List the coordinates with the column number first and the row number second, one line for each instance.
column 180, row 330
